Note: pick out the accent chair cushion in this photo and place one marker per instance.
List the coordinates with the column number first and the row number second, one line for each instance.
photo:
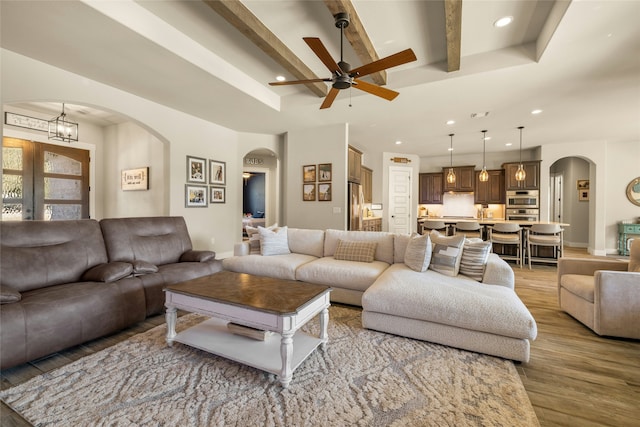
column 474, row 259
column 417, row 256
column 274, row 242
column 348, row 250
column 447, row 253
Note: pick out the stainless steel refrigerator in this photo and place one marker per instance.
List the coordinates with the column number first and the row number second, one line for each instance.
column 356, row 206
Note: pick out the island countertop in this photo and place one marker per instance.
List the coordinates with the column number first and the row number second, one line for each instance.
column 491, row 221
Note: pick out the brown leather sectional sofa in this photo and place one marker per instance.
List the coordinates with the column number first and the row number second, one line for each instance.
column 63, row 283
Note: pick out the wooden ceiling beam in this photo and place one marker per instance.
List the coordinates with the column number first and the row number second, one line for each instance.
column 453, row 26
column 235, row 13
column 357, row 36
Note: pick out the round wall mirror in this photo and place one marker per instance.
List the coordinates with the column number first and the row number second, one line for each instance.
column 633, row 191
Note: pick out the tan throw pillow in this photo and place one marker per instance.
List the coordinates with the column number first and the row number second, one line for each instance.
column 348, row 250
column 274, row 242
column 447, row 254
column 418, row 253
column 474, row 259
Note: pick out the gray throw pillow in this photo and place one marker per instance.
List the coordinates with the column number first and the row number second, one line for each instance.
column 417, row 256
column 447, row 254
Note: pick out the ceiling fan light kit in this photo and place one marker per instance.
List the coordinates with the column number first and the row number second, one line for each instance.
column 342, row 76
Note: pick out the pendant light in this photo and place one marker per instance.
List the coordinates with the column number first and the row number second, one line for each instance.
column 61, row 129
column 484, row 175
column 451, row 176
column 520, row 173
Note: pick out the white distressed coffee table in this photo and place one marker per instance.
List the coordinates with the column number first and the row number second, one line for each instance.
column 280, row 306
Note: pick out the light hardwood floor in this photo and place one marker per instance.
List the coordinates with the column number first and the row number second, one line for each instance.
column 574, row 377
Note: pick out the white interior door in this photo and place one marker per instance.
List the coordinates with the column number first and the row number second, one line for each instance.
column 556, row 197
column 399, row 199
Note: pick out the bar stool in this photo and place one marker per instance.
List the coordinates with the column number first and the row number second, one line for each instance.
column 508, row 234
column 546, row 235
column 468, row 228
column 429, row 225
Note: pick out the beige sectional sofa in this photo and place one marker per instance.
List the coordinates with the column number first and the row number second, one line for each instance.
column 484, row 316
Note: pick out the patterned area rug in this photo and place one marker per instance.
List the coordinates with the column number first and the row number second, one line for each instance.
column 363, row 378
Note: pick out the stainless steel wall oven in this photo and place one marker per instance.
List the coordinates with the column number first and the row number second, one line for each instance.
column 523, row 199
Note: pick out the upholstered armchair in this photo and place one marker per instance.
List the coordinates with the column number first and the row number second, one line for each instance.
column 603, row 294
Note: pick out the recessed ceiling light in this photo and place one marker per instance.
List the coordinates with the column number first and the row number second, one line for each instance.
column 508, row 144
column 487, row 138
column 449, row 149
column 398, row 142
column 536, row 111
column 281, row 78
column 451, row 122
column 503, row 22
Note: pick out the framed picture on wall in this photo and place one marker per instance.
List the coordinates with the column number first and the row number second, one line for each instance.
column 196, row 170
column 217, row 195
column 583, row 195
column 324, row 192
column 308, row 192
column 582, row 184
column 217, row 172
column 324, row 172
column 195, row 196
column 135, row 179
column 309, row 173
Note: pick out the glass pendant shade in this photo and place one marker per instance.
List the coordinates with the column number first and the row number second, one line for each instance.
column 484, row 175
column 62, row 129
column 520, row 173
column 451, row 176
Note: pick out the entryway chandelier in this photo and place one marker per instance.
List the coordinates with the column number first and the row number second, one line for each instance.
column 451, row 176
column 62, row 129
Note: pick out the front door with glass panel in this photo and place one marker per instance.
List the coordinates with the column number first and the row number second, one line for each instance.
column 44, row 181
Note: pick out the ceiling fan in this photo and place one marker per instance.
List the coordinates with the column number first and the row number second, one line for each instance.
column 343, row 77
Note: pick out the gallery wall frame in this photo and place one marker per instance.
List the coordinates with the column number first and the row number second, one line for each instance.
column 309, row 192
column 324, row 172
column 583, row 195
column 309, row 173
column 195, row 196
column 196, row 170
column 217, row 195
column 324, row 192
column 217, row 172
column 135, row 179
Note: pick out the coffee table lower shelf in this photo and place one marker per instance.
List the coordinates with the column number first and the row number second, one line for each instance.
column 214, row 337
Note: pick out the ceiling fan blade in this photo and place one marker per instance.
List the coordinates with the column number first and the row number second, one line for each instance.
column 380, row 91
column 295, row 82
column 390, row 61
column 329, row 98
column 321, row 52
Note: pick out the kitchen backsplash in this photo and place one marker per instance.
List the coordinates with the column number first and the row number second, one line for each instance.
column 460, row 205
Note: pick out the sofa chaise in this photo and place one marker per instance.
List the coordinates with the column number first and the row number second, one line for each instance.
column 479, row 311
column 61, row 285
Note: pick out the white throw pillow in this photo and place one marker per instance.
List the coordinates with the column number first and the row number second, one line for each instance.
column 418, row 253
column 474, row 259
column 447, row 254
column 274, row 242
column 254, row 238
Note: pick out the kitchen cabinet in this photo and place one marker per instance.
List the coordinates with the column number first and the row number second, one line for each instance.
column 492, row 191
column 372, row 224
column 531, row 180
column 465, row 177
column 430, row 189
column 367, row 184
column 355, row 165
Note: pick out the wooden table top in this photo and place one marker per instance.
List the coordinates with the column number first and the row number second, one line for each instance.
column 266, row 294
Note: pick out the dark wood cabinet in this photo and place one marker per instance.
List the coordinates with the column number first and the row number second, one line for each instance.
column 367, row 184
column 492, row 191
column 430, row 188
column 465, row 178
column 355, row 165
column 532, row 178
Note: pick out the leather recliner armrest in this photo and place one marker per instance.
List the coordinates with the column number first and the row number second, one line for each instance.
column 108, row 272
column 198, row 256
